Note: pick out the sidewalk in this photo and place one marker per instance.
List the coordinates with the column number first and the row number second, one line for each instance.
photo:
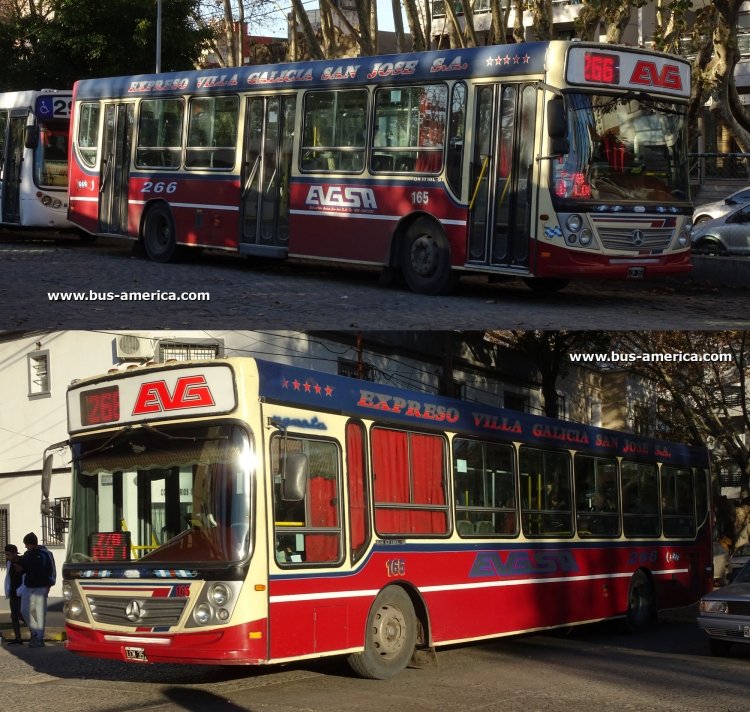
column 54, row 630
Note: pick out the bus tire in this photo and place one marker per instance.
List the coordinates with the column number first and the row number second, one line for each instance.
column 390, row 636
column 426, row 259
column 641, row 611
column 159, row 239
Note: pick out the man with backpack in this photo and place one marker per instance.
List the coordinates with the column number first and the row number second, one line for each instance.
column 38, row 567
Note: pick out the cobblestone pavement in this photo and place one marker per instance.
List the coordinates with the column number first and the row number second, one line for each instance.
column 296, row 295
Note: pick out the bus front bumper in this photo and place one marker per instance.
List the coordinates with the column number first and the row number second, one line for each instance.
column 244, row 644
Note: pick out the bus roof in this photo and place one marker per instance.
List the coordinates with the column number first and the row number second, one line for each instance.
column 524, row 59
column 28, row 98
column 493, row 61
column 282, row 384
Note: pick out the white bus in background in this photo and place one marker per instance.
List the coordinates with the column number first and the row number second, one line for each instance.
column 34, row 130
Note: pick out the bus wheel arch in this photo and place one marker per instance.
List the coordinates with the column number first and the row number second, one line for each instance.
column 391, row 633
column 422, row 252
column 641, row 603
column 158, row 234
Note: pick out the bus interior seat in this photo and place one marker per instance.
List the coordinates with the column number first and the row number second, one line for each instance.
column 485, row 526
column 464, row 527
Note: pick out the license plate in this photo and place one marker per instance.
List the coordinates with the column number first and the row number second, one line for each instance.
column 636, row 272
column 136, row 654
column 746, row 631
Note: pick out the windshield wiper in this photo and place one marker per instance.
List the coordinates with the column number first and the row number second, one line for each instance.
column 108, row 444
column 189, row 438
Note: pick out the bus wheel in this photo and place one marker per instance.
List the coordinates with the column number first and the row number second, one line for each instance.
column 538, row 284
column 426, row 259
column 390, row 636
column 641, row 603
column 159, row 239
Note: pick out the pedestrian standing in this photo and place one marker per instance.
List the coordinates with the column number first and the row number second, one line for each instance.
column 13, row 581
column 38, row 567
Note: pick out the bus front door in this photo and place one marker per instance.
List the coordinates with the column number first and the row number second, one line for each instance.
column 115, row 168
column 11, row 163
column 269, row 136
column 502, row 169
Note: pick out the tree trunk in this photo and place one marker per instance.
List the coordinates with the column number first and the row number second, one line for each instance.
column 519, row 34
column 314, row 49
column 230, row 34
column 419, row 42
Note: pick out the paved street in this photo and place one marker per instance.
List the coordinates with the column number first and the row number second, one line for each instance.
column 587, row 669
column 287, row 295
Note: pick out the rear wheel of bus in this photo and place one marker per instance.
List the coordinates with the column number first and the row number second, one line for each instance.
column 159, row 239
column 390, row 636
column 426, row 258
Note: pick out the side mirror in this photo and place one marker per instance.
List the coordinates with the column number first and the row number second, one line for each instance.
column 293, row 477
column 557, row 126
column 46, row 481
column 31, row 136
column 557, row 123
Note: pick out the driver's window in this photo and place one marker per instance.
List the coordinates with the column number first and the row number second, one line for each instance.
column 308, row 531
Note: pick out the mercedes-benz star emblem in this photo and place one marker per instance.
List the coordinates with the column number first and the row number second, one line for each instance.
column 135, row 610
column 637, row 238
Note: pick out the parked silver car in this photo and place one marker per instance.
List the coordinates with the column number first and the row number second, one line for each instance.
column 724, row 614
column 727, row 235
column 717, row 208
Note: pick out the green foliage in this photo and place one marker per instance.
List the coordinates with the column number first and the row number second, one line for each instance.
column 82, row 39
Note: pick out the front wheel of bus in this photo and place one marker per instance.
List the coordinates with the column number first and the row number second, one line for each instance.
column 159, row 238
column 426, row 259
column 641, row 603
column 390, row 636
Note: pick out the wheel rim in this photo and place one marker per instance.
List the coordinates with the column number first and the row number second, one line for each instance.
column 159, row 233
column 389, row 631
column 424, row 255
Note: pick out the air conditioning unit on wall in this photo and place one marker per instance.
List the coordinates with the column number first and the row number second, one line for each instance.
column 134, row 347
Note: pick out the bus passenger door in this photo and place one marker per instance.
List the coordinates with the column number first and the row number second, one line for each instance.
column 267, row 165
column 502, row 169
column 115, row 168
column 11, row 162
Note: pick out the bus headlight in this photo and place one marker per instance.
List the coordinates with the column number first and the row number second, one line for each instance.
column 74, row 609
column 202, row 613
column 46, row 200
column 57, row 203
column 683, row 239
column 574, row 223
column 218, row 594
column 585, row 238
column 67, row 591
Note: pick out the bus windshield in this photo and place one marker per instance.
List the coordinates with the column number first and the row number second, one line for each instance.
column 623, row 148
column 168, row 494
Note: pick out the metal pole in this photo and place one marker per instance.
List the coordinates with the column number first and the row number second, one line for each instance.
column 158, row 36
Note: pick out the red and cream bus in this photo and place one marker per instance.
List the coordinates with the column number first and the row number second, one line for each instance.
column 34, row 128
column 248, row 512
column 545, row 161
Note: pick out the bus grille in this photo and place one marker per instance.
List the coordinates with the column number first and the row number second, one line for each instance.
column 650, row 239
column 136, row 612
